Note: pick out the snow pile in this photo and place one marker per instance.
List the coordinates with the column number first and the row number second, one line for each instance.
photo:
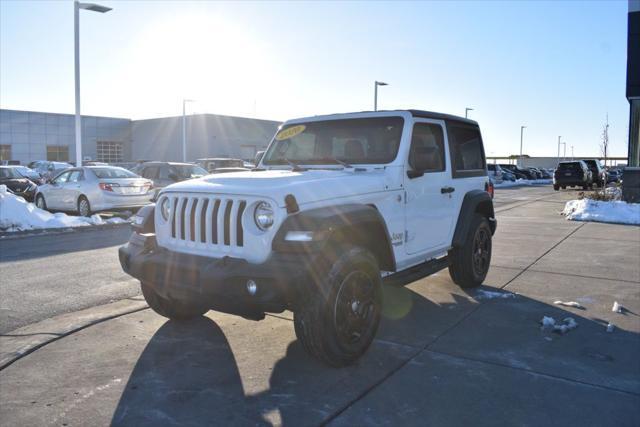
column 569, row 304
column 614, row 192
column 562, row 328
column 521, row 182
column 614, row 212
column 17, row 215
column 491, row 295
column 617, row 308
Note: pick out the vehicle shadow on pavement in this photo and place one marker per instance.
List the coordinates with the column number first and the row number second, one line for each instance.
column 188, row 373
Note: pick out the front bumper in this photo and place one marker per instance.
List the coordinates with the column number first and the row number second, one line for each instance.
column 28, row 195
column 281, row 281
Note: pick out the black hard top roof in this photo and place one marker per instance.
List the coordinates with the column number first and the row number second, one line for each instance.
column 441, row 116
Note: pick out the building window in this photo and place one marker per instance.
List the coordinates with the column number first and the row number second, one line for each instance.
column 5, row 152
column 109, row 152
column 58, row 153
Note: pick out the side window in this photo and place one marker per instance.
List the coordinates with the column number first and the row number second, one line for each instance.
column 62, row 178
column 167, row 171
column 75, row 176
column 150, row 172
column 427, row 148
column 467, row 155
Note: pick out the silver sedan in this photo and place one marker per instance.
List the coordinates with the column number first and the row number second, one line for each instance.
column 94, row 188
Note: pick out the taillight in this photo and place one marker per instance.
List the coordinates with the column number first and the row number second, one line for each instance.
column 106, row 186
column 488, row 187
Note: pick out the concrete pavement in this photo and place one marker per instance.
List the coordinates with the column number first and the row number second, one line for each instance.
column 442, row 356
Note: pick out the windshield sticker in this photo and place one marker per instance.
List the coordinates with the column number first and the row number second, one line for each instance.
column 290, row 132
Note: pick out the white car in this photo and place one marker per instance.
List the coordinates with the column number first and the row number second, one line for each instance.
column 93, row 189
column 336, row 205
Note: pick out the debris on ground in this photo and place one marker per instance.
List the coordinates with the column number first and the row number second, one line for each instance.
column 610, row 327
column 561, row 328
column 16, row 214
column 617, row 308
column 569, row 304
column 614, row 212
column 491, row 295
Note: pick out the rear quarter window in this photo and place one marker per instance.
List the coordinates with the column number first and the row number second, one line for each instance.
column 467, row 152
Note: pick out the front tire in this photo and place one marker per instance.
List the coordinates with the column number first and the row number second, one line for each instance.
column 339, row 318
column 469, row 264
column 84, row 208
column 40, row 202
column 169, row 308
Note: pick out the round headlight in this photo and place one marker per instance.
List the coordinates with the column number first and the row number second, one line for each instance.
column 164, row 209
column 263, row 216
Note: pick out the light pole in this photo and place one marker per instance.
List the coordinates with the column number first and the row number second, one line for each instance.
column 565, row 147
column 572, row 152
column 184, row 129
column 466, row 112
column 76, row 53
column 522, row 128
column 375, row 93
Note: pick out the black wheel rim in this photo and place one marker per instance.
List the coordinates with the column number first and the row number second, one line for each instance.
column 481, row 252
column 355, row 309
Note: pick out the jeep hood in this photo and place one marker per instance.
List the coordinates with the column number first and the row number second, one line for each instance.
column 307, row 186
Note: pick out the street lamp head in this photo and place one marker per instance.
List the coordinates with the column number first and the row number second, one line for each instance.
column 94, row 7
column 382, row 83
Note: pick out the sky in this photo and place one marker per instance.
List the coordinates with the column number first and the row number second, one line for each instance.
column 557, row 67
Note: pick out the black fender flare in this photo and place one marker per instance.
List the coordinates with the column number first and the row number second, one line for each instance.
column 351, row 223
column 475, row 201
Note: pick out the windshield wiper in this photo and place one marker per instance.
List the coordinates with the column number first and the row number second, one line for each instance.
column 338, row 161
column 294, row 166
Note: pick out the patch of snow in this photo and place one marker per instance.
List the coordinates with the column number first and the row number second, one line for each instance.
column 16, row 214
column 490, row 295
column 615, row 192
column 617, row 308
column 523, row 182
column 561, row 328
column 569, row 304
column 610, row 327
column 614, row 212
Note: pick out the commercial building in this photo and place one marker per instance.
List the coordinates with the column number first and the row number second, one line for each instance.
column 26, row 136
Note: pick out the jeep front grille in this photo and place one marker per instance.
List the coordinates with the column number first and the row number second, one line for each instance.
column 208, row 222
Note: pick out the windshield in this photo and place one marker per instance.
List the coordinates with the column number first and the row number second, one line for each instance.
column 25, row 171
column 113, row 173
column 8, row 173
column 353, row 141
column 189, row 171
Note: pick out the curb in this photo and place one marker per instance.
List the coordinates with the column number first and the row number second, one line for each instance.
column 9, row 235
column 17, row 344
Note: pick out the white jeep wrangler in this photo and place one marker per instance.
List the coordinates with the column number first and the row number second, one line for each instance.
column 338, row 206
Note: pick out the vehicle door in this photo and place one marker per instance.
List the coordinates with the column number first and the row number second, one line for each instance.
column 71, row 189
column 54, row 191
column 428, row 198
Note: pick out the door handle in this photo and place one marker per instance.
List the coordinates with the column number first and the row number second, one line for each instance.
column 446, row 190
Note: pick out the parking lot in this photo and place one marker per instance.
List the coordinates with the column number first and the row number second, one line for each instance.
column 79, row 347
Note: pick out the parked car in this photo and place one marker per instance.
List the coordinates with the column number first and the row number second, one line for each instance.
column 167, row 173
column 520, row 173
column 92, row 189
column 613, row 175
column 30, row 174
column 572, row 174
column 546, row 174
column 227, row 170
column 598, row 172
column 508, row 176
column 48, row 169
column 314, row 228
column 19, row 185
column 495, row 173
column 210, row 164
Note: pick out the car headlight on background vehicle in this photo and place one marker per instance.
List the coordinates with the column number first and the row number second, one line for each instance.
column 263, row 216
column 165, row 209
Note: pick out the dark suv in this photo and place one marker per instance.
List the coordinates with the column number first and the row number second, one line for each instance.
column 572, row 174
column 598, row 173
column 519, row 172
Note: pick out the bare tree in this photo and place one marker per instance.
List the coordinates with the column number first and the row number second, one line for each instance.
column 604, row 140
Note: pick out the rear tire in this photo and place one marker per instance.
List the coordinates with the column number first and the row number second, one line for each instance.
column 40, row 202
column 556, row 187
column 171, row 309
column 84, row 208
column 469, row 264
column 339, row 319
